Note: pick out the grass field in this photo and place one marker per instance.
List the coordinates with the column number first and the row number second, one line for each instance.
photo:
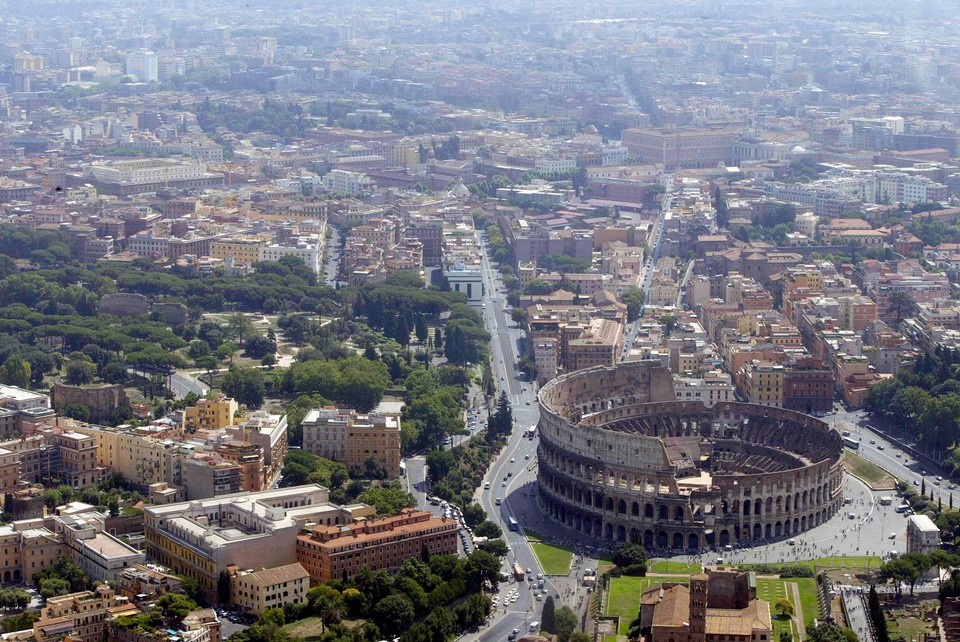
column 667, row 566
column 826, row 563
column 554, row 560
column 307, row 629
column 870, row 473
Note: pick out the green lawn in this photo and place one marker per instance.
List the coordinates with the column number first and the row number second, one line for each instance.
column 679, row 568
column 870, row 473
column 826, row 563
column 554, row 560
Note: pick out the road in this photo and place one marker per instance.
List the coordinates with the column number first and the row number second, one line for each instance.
column 332, row 263
column 648, row 267
column 183, row 383
column 855, row 609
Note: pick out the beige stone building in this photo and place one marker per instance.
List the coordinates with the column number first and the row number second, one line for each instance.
column 349, row 437
column 257, row 591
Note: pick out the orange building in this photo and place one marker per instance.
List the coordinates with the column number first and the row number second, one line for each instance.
column 337, row 551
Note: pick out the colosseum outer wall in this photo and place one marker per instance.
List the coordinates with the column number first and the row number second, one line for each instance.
column 605, row 468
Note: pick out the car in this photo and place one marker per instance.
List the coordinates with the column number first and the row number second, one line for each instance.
column 936, row 483
column 527, row 456
column 486, row 485
column 792, row 542
column 899, row 455
column 539, row 576
column 893, row 536
column 504, row 484
column 528, row 402
column 539, row 598
column 510, row 474
column 952, row 487
column 501, row 378
column 879, row 447
column 873, row 441
column 916, row 483
column 939, row 478
column 513, row 459
column 528, row 572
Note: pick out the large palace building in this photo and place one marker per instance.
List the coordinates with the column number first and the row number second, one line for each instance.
column 622, row 460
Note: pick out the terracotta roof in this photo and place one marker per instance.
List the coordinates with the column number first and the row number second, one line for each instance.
column 739, row 621
column 277, row 575
column 674, row 608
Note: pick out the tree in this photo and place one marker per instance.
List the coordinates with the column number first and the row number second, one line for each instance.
column 901, row 305
column 388, row 500
column 830, row 632
column 53, row 586
column 420, row 328
column 875, row 611
column 330, row 612
column 239, row 326
column 256, row 347
column 487, row 529
column 548, row 617
column 174, row 607
column 223, row 587
column 482, row 568
column 16, row 372
column 114, row 373
column 76, row 410
column 633, row 298
column 393, row 614
column 626, row 555
column 437, row 338
column 79, row 372
column 245, row 385
column 783, row 608
column 567, row 622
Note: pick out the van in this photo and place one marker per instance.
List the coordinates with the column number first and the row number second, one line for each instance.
column 499, row 501
column 486, row 485
column 852, row 515
column 535, row 627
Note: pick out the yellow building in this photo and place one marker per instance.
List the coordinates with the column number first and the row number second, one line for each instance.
column 210, row 414
column 244, row 251
column 762, row 383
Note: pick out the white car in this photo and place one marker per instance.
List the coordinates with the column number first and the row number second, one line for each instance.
column 513, row 459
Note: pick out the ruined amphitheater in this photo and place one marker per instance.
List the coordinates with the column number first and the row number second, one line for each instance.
column 621, row 459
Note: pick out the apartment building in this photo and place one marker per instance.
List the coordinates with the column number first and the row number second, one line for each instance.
column 9, row 472
column 545, row 354
column 256, row 591
column 328, row 552
column 147, row 582
column 762, row 383
column 808, row 386
column 596, row 345
column 241, row 251
column 308, row 251
column 210, row 414
column 713, row 387
column 79, row 616
column 344, row 435
column 268, row 431
column 79, row 467
column 201, row 538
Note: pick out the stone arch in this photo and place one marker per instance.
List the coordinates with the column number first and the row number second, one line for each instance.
column 648, row 510
column 664, row 514
column 610, row 503
column 787, row 507
column 678, row 513
column 608, row 531
column 769, row 508
column 796, row 524
column 724, row 537
column 634, row 535
column 757, row 531
column 677, row 540
column 693, row 541
column 661, row 539
column 622, row 507
column 635, row 509
column 803, row 523
column 746, row 508
column 769, row 531
column 621, row 533
column 757, row 505
column 648, row 538
column 778, row 529
column 796, row 501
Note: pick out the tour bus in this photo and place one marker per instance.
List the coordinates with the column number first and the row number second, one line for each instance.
column 514, row 526
column 851, row 443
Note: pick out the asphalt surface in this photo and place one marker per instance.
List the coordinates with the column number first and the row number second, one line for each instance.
column 855, row 608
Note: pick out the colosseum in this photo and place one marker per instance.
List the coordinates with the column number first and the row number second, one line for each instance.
column 620, row 458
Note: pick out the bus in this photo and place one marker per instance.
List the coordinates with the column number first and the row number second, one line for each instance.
column 518, row 571
column 514, row 526
column 532, row 432
column 851, row 443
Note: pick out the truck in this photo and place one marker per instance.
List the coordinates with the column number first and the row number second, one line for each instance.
column 517, row 572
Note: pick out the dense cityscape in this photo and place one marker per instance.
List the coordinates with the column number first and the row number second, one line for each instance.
column 483, row 321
